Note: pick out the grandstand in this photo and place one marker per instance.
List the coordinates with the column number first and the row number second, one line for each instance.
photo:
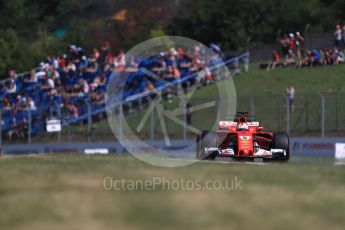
column 72, row 88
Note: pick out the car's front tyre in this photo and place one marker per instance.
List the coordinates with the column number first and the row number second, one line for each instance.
column 205, row 140
column 280, row 141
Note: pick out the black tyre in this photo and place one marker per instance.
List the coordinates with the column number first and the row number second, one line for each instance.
column 204, row 140
column 280, row 141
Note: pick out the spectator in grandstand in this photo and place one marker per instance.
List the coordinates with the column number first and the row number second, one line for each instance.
column 185, row 62
column 196, row 63
column 202, row 76
column 73, row 111
column 292, row 42
column 31, row 104
column 11, row 87
column 328, row 60
column 78, row 89
column 54, row 62
column 104, row 52
column 169, row 74
column 63, row 61
column 316, row 57
column 323, row 57
column 109, row 64
column 12, row 74
column 32, row 78
column 275, row 60
column 83, row 64
column 175, row 71
column 120, row 61
column 338, row 36
column 95, row 55
column 96, row 82
column 70, row 68
column 9, row 106
column 284, row 45
column 19, row 129
column 299, row 41
column 132, row 64
column 97, row 97
column 21, row 103
column 343, row 36
column 338, row 56
column 49, row 84
column 6, row 104
column 290, row 91
column 290, row 58
column 41, row 73
column 160, row 67
column 52, row 73
column 149, row 86
column 92, row 66
column 85, row 88
column 197, row 49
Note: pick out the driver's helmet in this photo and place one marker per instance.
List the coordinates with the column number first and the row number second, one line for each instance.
column 242, row 126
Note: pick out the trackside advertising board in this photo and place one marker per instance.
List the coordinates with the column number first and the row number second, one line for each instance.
column 314, row 146
column 340, row 151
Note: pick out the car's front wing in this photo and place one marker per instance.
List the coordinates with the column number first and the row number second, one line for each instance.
column 260, row 153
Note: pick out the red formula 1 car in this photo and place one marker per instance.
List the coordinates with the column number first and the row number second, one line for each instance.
column 242, row 139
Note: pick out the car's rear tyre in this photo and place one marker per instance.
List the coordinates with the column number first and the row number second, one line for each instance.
column 205, row 140
column 280, row 141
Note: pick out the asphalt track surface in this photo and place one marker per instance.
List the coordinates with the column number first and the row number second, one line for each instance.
column 293, row 160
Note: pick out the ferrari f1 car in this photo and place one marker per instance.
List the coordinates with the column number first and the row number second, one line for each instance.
column 242, row 139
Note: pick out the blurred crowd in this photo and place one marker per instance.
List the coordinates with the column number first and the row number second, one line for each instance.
column 293, row 51
column 67, row 84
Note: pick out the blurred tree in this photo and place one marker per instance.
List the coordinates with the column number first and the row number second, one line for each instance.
column 27, row 26
column 12, row 50
column 232, row 22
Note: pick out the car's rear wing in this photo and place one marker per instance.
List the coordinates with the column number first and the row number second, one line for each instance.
column 229, row 124
column 240, row 114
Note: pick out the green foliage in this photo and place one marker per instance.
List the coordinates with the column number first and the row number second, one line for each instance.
column 13, row 50
column 26, row 30
column 157, row 33
column 27, row 26
column 232, row 23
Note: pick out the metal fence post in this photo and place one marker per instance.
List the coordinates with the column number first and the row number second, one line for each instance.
column 277, row 109
column 121, row 123
column 323, row 101
column 184, row 133
column 29, row 126
column 336, row 112
column 68, row 129
column 218, row 110
column 152, row 126
column 60, row 118
column 0, row 128
column 89, row 122
column 246, row 63
column 287, row 114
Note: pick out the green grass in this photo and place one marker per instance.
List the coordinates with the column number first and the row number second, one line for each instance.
column 66, row 192
column 258, row 82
